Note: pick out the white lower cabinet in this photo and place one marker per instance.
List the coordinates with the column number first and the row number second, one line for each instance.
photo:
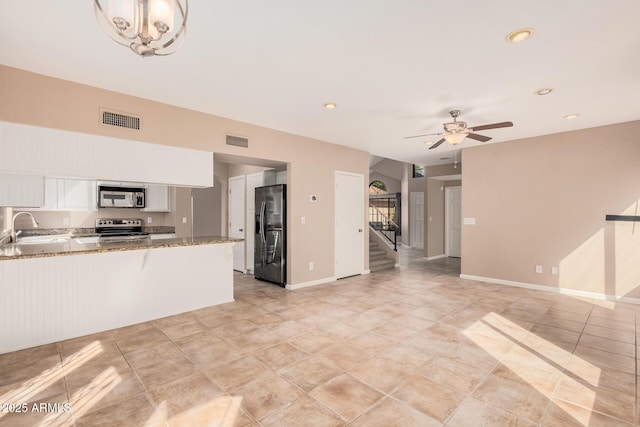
column 157, row 236
column 55, row 298
column 157, row 198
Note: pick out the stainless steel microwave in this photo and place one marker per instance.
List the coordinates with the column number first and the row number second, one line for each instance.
column 121, row 197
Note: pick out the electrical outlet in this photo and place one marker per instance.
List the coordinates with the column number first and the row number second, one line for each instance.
column 149, row 220
column 184, row 219
column 303, row 220
column 311, row 265
column 554, row 271
column 539, row 269
column 65, row 221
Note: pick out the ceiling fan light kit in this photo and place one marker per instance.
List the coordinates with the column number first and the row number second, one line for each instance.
column 147, row 27
column 457, row 131
column 455, row 138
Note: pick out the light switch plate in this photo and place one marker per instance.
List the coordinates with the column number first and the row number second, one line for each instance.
column 469, row 221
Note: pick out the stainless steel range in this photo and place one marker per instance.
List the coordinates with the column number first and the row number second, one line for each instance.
column 120, row 229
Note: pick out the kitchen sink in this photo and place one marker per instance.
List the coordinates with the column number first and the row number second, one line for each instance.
column 43, row 240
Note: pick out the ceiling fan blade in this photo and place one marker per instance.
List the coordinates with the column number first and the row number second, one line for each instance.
column 418, row 136
column 492, row 126
column 477, row 137
column 437, row 144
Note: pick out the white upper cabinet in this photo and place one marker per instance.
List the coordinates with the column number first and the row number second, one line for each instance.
column 53, row 152
column 69, row 195
column 77, row 195
column 157, row 198
column 21, row 191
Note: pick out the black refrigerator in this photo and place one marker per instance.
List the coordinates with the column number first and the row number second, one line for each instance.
column 270, row 250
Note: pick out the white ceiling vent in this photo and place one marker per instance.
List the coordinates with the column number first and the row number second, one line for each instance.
column 127, row 121
column 238, row 141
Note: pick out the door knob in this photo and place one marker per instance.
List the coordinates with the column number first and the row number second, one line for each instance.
column 359, row 230
column 240, row 229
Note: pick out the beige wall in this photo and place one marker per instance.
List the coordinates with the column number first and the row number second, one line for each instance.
column 43, row 101
column 393, row 185
column 236, row 170
column 543, row 201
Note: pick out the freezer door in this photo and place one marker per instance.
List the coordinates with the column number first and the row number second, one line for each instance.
column 270, row 236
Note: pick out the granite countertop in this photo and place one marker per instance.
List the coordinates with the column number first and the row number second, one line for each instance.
column 72, row 247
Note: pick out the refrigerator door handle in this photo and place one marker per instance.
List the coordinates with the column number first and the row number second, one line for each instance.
column 263, row 208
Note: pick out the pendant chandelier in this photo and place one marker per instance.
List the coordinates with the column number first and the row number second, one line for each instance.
column 148, row 27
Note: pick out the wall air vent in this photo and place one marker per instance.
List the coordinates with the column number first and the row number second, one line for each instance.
column 121, row 120
column 238, row 141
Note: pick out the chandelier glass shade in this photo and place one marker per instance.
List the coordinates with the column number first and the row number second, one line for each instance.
column 455, row 138
column 147, row 27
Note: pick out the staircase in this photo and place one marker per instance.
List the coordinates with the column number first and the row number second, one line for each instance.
column 378, row 259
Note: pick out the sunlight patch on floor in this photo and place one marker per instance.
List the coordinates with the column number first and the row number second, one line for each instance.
column 84, row 399
column 222, row 411
column 532, row 359
column 30, row 388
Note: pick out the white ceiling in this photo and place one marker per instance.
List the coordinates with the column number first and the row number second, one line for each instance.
column 395, row 68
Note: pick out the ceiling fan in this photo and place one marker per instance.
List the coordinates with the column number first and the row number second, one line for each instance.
column 455, row 132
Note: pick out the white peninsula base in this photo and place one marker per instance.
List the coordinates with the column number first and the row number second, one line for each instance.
column 48, row 299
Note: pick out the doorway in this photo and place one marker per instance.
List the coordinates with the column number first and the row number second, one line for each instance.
column 349, row 224
column 416, row 204
column 453, row 221
column 237, row 220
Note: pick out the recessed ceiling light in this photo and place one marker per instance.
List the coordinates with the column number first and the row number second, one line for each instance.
column 520, row 35
column 428, row 143
column 571, row 116
column 544, row 91
column 330, row 105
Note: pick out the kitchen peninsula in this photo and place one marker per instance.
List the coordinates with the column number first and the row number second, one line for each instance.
column 56, row 291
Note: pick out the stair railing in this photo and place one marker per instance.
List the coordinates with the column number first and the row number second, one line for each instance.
column 379, row 221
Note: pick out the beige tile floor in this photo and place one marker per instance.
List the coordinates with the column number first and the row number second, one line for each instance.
column 414, row 346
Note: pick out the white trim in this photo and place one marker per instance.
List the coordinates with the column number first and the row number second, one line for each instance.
column 367, row 271
column 396, row 265
column 310, row 283
column 563, row 291
column 431, row 258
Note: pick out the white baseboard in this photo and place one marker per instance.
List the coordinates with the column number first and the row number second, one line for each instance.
column 563, row 291
column 367, row 271
column 431, row 258
column 311, row 283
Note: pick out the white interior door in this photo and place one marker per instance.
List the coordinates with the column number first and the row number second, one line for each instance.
column 349, row 224
column 453, row 221
column 237, row 220
column 417, row 219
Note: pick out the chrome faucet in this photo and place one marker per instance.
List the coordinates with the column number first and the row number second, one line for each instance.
column 14, row 234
